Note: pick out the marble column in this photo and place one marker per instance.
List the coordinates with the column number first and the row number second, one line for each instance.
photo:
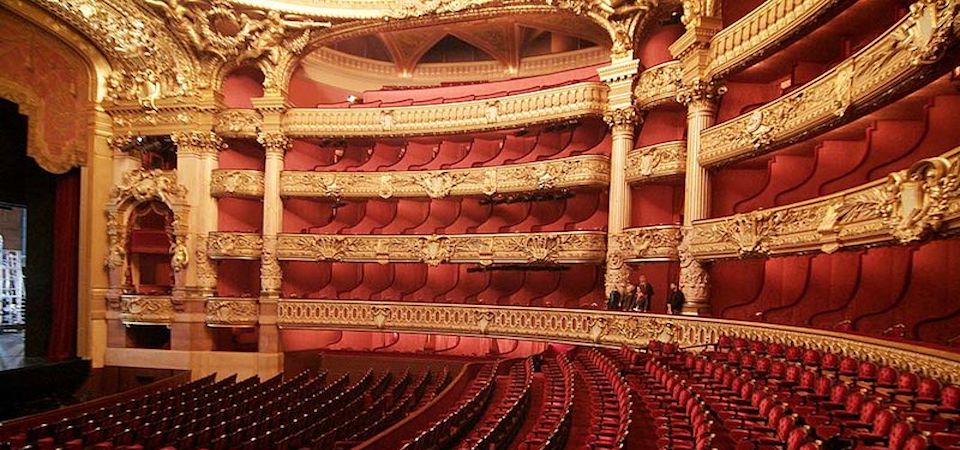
column 275, row 146
column 622, row 122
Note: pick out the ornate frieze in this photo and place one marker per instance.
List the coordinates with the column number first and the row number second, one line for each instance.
column 239, row 122
column 232, row 245
column 146, row 310
column 656, row 161
column 653, row 243
column 557, row 247
column 762, row 30
column 197, row 143
column 600, row 327
column 548, row 105
column 876, row 73
column 907, row 206
column 232, row 312
column 658, row 85
column 577, row 171
column 143, row 185
column 236, row 183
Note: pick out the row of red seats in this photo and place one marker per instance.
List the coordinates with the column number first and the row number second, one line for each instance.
column 553, row 424
column 610, row 400
column 462, row 417
column 499, row 424
column 682, row 419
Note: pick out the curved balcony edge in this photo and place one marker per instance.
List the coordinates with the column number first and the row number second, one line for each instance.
column 604, row 328
column 657, row 161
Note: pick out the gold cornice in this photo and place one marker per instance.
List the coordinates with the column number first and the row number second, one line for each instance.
column 548, row 105
column 231, row 312
column 907, row 206
column 577, row 171
column 657, row 85
column 652, row 243
column 890, row 65
column 167, row 117
column 236, row 183
column 762, row 31
column 656, row 161
column 234, row 245
column 514, row 248
column 605, row 328
column 146, row 310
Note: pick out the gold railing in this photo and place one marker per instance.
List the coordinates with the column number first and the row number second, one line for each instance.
column 657, row 161
column 658, row 85
column 548, row 105
column 577, row 171
column 234, row 245
column 762, row 30
column 146, row 309
column 907, row 206
column 888, row 66
column 599, row 328
column 236, row 183
column 232, row 311
column 513, row 248
column 653, row 243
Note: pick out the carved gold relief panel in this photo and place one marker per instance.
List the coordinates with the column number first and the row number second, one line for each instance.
column 656, row 161
column 236, row 183
column 657, row 85
column 907, row 206
column 232, row 245
column 598, row 327
column 878, row 71
column 146, row 310
column 224, row 311
column 590, row 170
column 655, row 243
column 559, row 247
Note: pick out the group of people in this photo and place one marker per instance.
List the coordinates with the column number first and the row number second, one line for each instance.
column 638, row 297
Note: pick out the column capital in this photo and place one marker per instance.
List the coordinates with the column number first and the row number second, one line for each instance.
column 275, row 144
column 622, row 119
column 700, row 94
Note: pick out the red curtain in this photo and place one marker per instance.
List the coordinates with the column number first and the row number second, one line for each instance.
column 66, row 244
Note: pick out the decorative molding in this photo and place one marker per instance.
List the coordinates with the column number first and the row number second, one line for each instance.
column 143, row 185
column 577, row 171
column 232, row 312
column 197, row 143
column 606, row 328
column 239, row 123
column 31, row 105
column 656, row 161
column 146, row 310
column 548, row 105
column 515, row 248
column 657, row 85
column 233, row 245
column 236, row 183
column 762, row 31
column 653, row 243
column 907, row 206
column 888, row 66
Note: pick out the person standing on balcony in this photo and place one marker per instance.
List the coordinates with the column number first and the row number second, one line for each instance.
column 675, row 299
column 644, row 293
column 613, row 302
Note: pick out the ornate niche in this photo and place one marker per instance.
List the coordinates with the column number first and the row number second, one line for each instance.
column 147, row 231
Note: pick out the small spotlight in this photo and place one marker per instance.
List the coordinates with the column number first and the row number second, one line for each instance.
column 139, row 139
column 351, row 99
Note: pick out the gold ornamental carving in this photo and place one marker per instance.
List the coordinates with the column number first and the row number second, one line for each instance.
column 622, row 118
column 224, row 311
column 576, row 171
column 206, row 269
column 658, row 85
column 698, row 91
column 143, row 185
column 653, row 243
column 907, row 206
column 146, row 310
column 29, row 104
column 237, row 123
column 873, row 75
column 232, row 245
column 607, row 328
column 544, row 106
column 197, row 143
column 559, row 247
column 271, row 275
column 236, row 183
column 656, row 161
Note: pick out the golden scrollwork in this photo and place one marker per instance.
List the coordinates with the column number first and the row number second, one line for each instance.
column 236, row 183
column 197, row 142
column 239, row 122
column 558, row 247
column 699, row 90
column 548, row 105
column 576, row 171
column 653, row 243
column 231, row 245
column 232, row 312
column 656, row 161
column 908, row 205
column 877, row 72
column 206, row 270
column 622, row 118
column 658, row 85
column 146, row 310
column 271, row 274
column 144, row 185
column 607, row 328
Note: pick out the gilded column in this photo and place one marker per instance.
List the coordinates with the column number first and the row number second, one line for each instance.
column 274, row 146
column 701, row 101
column 622, row 118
